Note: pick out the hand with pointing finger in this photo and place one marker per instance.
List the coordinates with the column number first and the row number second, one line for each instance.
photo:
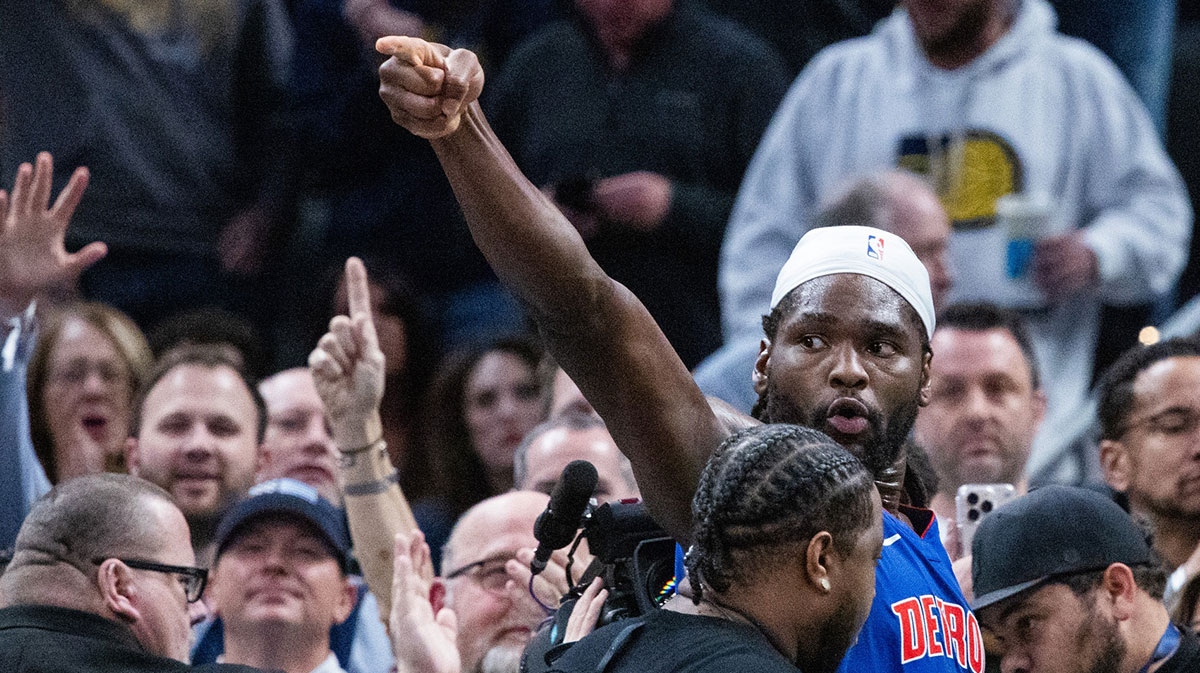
column 427, row 87
column 348, row 367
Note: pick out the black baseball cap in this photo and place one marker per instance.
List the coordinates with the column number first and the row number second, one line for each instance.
column 1053, row 531
column 290, row 498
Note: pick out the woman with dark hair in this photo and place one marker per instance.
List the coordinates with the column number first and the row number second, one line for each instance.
column 480, row 405
column 89, row 361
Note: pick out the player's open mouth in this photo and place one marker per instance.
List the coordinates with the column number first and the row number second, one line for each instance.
column 847, row 416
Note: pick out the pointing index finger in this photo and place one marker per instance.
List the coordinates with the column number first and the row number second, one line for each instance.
column 411, row 50
column 357, row 289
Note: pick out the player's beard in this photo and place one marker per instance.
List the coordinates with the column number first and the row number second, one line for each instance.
column 886, row 437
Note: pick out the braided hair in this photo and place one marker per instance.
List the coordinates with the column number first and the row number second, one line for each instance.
column 772, row 487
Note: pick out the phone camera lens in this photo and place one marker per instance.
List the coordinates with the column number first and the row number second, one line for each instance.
column 986, row 506
column 973, row 514
column 972, row 498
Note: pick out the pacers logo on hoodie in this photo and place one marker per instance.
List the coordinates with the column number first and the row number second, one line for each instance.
column 969, row 170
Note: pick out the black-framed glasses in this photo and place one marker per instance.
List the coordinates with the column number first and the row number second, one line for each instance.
column 490, row 573
column 193, row 579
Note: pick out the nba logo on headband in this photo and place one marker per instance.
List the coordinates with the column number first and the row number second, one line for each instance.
column 827, row 251
column 875, row 247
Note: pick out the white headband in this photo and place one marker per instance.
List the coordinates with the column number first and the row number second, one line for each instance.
column 871, row 252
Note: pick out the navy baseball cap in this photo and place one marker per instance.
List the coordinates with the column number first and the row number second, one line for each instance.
column 289, row 498
column 1053, row 531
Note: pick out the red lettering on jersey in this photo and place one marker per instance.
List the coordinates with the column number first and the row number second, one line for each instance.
column 955, row 619
column 912, row 629
column 934, row 648
column 975, row 642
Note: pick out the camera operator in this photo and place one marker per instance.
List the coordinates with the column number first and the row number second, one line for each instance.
column 777, row 506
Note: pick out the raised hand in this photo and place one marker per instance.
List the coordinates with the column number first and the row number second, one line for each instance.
column 33, row 257
column 427, row 87
column 348, row 367
column 640, row 200
column 421, row 641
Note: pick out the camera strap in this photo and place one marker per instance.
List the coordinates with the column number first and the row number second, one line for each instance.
column 587, row 648
column 618, row 643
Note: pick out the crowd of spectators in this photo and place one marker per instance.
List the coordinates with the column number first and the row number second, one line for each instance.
column 294, row 347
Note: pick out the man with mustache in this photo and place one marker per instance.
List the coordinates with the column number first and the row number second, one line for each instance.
column 986, row 99
column 496, row 615
column 846, row 350
column 1150, row 449
column 1066, row 582
column 895, row 201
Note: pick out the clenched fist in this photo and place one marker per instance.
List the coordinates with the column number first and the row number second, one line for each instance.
column 427, row 87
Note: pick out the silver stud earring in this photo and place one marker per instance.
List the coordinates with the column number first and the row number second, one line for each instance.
column 825, row 583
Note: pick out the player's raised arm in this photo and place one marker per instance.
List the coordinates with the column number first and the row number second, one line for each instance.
column 597, row 330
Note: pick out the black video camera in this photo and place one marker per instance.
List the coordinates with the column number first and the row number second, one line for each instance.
column 636, row 559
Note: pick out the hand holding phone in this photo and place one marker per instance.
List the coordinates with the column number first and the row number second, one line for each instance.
column 973, row 503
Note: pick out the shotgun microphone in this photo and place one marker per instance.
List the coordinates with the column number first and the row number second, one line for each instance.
column 556, row 527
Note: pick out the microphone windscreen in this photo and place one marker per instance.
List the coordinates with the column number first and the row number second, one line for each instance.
column 579, row 477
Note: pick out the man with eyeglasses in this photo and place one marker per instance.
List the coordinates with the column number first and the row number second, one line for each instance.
column 102, row 580
column 280, row 580
column 486, row 587
column 1149, row 413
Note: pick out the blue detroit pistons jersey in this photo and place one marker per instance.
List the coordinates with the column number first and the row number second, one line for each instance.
column 920, row 621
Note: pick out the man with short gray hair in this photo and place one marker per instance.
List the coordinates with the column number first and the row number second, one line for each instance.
column 485, row 582
column 548, row 448
column 102, row 579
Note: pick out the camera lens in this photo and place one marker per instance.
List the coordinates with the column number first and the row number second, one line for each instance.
column 972, row 498
column 986, row 506
column 973, row 514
